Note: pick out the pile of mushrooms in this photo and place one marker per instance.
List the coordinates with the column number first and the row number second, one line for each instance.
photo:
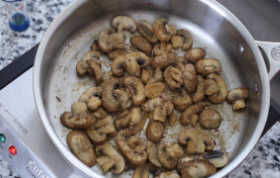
column 150, row 88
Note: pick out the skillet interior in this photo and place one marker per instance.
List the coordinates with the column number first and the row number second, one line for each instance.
column 210, row 30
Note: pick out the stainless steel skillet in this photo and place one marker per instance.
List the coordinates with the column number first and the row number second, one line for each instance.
column 212, row 26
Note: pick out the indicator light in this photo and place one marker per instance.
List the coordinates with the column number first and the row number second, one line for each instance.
column 12, row 150
column 2, row 138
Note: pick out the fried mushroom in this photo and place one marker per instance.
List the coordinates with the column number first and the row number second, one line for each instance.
column 80, row 120
column 110, row 40
column 219, row 97
column 168, row 174
column 199, row 94
column 173, row 77
column 134, row 149
column 181, row 99
column 116, row 53
column 136, row 88
column 207, row 66
column 145, row 29
column 210, row 87
column 109, row 100
column 197, row 169
column 122, row 23
column 141, row 172
column 195, row 54
column 210, row 119
column 191, row 115
column 188, row 40
column 78, row 107
column 154, row 131
column 153, row 155
column 102, row 130
column 189, row 77
column 160, row 30
column 81, row 147
column 237, row 97
column 169, row 154
column 94, row 70
column 195, row 141
column 108, row 158
column 131, row 62
column 128, row 118
column 142, row 44
column 92, row 96
column 151, row 104
column 153, row 90
column 218, row 158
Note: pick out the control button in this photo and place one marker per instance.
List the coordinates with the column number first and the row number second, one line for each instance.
column 2, row 138
column 12, row 150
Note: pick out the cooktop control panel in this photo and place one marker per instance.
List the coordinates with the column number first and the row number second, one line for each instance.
column 19, row 157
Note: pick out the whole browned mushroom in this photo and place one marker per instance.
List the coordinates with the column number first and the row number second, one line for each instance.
column 108, row 158
column 102, row 130
column 81, row 147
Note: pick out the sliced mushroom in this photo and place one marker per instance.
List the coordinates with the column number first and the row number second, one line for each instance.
column 116, row 53
column 124, row 98
column 81, row 120
column 82, row 67
column 181, row 100
column 207, row 66
column 159, row 28
column 153, row 90
column 162, row 48
column 94, row 70
column 133, row 148
column 162, row 111
column 157, row 76
column 154, row 131
column 108, row 158
column 100, row 114
column 217, row 158
column 210, row 87
column 92, row 96
column 164, row 60
column 136, row 88
column 197, row 169
column 132, row 62
column 151, row 104
column 223, row 91
column 195, row 54
column 141, row 172
column 142, row 44
column 237, row 97
column 173, row 77
column 173, row 118
column 177, row 41
column 199, row 95
column 196, row 141
column 145, row 29
column 109, row 101
column 102, row 130
column 78, row 107
column 169, row 154
column 122, row 23
column 168, row 174
column 191, row 115
column 129, row 118
column 109, row 40
column 189, row 77
column 153, row 155
column 146, row 75
column 81, row 147
column 188, row 41
column 210, row 119
column 94, row 46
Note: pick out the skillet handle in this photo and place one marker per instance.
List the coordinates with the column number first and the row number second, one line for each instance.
column 272, row 51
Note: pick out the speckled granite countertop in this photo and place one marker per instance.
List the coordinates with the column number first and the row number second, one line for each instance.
column 41, row 13
column 263, row 162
